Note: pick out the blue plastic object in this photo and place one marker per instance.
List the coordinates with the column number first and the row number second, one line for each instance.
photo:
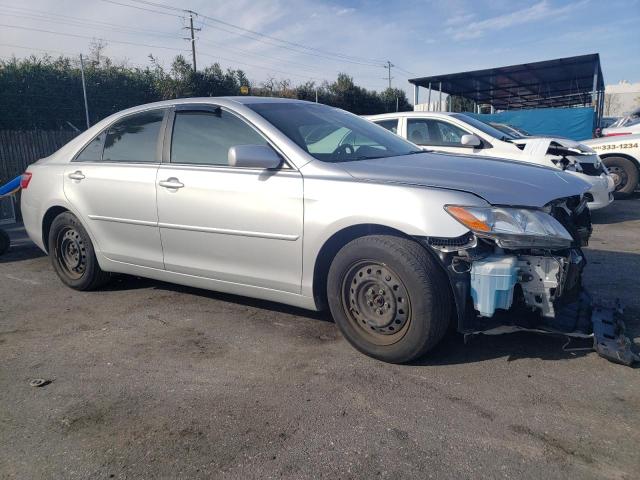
column 492, row 282
column 11, row 187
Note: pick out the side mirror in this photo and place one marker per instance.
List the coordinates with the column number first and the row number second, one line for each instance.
column 470, row 141
column 253, row 156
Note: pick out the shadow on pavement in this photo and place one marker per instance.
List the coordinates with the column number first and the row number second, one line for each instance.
column 22, row 248
column 625, row 210
column 620, row 266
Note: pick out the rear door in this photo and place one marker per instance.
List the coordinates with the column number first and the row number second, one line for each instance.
column 239, row 225
column 112, row 186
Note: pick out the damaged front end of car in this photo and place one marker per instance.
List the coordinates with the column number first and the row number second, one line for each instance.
column 521, row 269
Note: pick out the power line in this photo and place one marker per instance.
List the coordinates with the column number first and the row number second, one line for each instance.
column 88, row 24
column 142, row 8
column 298, row 47
column 90, row 38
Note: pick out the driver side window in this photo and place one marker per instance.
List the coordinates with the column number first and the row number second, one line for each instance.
column 426, row 131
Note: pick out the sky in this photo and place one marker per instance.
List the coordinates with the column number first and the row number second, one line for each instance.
column 316, row 39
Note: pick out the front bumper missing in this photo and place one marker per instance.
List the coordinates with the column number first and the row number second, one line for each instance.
column 600, row 321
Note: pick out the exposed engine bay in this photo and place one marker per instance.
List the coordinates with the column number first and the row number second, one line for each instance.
column 498, row 283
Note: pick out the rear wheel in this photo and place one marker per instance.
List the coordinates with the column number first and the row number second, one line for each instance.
column 72, row 254
column 388, row 297
column 624, row 173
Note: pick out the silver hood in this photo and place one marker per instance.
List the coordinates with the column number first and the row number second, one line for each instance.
column 499, row 182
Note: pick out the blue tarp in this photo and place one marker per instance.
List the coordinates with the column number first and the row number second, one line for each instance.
column 573, row 123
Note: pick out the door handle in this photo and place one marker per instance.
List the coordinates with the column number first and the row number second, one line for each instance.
column 171, row 182
column 77, row 175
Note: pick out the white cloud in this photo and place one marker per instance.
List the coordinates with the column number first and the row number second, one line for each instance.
column 540, row 11
column 345, row 11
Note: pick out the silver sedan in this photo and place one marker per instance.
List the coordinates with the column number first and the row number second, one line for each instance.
column 309, row 205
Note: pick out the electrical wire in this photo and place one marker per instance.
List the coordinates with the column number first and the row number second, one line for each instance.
column 19, row 27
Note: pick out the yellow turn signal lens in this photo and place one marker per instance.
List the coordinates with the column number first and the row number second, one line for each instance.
column 467, row 219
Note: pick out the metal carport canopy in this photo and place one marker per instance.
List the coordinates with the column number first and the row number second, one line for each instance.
column 552, row 83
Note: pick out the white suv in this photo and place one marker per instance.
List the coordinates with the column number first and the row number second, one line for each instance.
column 463, row 134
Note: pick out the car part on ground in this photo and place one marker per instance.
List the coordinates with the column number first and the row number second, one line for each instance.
column 308, row 205
column 450, row 132
column 621, row 155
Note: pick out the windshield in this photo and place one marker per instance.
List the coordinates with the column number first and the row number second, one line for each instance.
column 332, row 135
column 510, row 130
column 484, row 127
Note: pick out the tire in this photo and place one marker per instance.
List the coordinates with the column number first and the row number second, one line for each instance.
column 627, row 173
column 5, row 242
column 389, row 297
column 72, row 254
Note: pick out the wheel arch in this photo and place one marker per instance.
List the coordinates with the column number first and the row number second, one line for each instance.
column 338, row 240
column 47, row 219
column 635, row 161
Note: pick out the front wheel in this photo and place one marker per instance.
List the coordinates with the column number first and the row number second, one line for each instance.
column 72, row 254
column 624, row 173
column 389, row 298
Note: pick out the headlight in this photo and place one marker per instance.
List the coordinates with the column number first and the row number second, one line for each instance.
column 513, row 227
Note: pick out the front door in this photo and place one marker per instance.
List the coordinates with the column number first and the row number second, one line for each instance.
column 111, row 184
column 237, row 225
column 439, row 135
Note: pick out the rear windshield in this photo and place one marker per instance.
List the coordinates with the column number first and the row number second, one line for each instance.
column 330, row 134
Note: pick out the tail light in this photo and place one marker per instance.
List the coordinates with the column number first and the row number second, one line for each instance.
column 25, row 179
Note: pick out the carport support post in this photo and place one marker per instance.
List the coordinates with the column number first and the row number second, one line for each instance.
column 84, row 92
column 429, row 99
column 440, row 97
column 594, row 98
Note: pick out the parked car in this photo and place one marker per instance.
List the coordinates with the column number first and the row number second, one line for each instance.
column 308, row 205
column 460, row 133
column 606, row 122
column 627, row 125
column 621, row 155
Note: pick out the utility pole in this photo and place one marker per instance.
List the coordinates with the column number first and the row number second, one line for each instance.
column 193, row 38
column 84, row 92
column 388, row 67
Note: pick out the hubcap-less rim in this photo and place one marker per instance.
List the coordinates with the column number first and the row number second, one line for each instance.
column 376, row 302
column 619, row 177
column 71, row 253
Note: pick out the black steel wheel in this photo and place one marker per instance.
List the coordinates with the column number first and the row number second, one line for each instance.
column 376, row 301
column 624, row 173
column 389, row 297
column 72, row 254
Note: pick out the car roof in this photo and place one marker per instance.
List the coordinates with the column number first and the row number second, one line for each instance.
column 229, row 101
column 408, row 114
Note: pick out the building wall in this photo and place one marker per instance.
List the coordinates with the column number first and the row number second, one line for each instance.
column 621, row 98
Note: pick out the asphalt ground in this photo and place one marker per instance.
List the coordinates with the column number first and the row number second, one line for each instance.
column 152, row 380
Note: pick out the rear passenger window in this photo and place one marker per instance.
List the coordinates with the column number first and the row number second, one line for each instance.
column 93, row 151
column 134, row 139
column 205, row 137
